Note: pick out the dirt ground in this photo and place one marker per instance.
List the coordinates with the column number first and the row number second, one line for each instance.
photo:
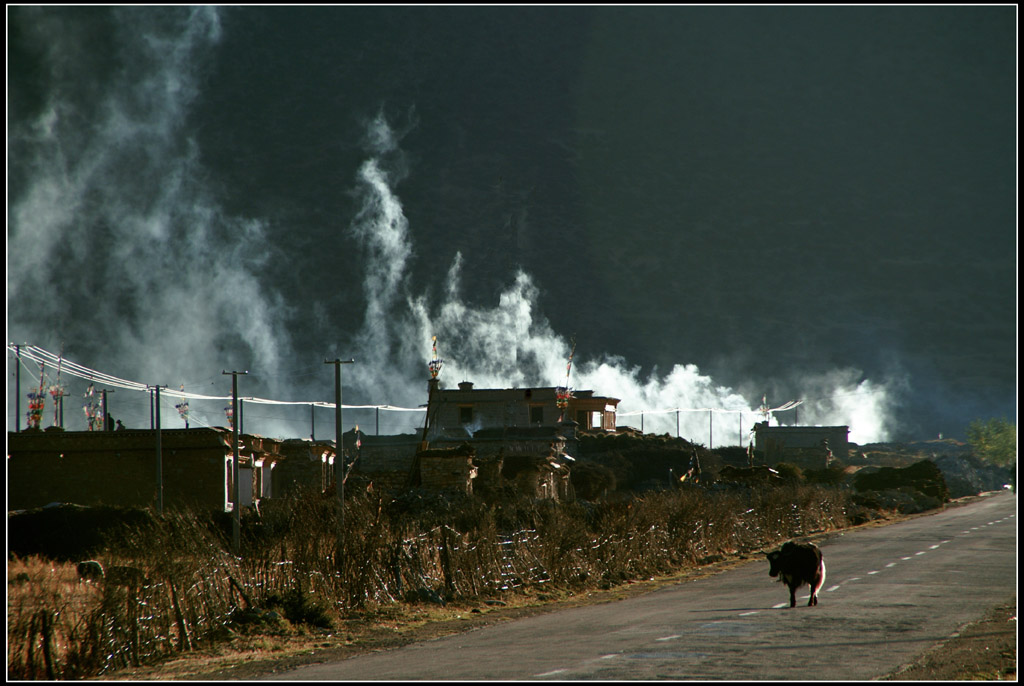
column 984, row 650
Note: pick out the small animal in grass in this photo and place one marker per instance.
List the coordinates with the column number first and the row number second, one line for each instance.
column 90, row 570
column 117, row 575
column 796, row 564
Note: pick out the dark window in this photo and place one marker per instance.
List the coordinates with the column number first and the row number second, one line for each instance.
column 536, row 414
column 465, row 415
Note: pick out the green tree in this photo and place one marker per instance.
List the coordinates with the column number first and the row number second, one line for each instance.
column 994, row 440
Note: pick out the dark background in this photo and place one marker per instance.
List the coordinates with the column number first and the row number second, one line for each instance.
column 765, row 192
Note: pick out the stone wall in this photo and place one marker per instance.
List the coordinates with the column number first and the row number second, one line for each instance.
column 775, row 441
column 304, row 466
column 119, row 468
column 115, row 468
column 448, row 469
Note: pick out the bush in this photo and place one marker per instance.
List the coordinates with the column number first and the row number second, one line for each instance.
column 70, row 532
column 300, row 608
column 789, row 472
column 591, row 481
column 831, row 476
column 994, row 440
column 923, row 476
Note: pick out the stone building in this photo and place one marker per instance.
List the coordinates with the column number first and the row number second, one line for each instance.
column 784, row 442
column 535, row 460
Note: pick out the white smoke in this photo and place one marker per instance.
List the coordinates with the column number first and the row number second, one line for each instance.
column 843, row 397
column 511, row 344
column 118, row 249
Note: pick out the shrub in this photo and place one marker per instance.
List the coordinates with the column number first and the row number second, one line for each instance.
column 994, row 440
column 790, row 472
column 300, row 608
column 831, row 476
column 591, row 481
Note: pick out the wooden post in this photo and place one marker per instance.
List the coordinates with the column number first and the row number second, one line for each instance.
column 236, row 528
column 17, row 389
column 159, row 455
column 339, row 463
column 711, row 429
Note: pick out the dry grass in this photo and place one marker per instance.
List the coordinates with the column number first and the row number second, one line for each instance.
column 409, row 552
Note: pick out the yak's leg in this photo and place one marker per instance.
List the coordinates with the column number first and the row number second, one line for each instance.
column 792, row 596
column 819, row 581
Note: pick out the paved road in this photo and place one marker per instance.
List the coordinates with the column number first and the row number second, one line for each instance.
column 892, row 592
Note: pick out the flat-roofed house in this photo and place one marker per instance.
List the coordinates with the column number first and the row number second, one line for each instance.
column 489, row 408
column 783, row 442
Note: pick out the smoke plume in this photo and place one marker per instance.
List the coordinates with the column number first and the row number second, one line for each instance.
column 511, row 344
column 119, row 252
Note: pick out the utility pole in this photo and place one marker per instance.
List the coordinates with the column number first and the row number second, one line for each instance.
column 60, row 408
column 106, row 411
column 17, row 388
column 339, row 461
column 236, row 528
column 159, row 448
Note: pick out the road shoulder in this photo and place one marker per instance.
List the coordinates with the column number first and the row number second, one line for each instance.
column 985, row 650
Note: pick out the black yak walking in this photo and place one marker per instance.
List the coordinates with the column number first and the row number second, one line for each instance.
column 797, row 564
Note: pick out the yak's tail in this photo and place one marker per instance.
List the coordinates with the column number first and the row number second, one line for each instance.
column 821, row 576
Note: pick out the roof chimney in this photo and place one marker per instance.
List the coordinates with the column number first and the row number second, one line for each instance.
column 465, row 385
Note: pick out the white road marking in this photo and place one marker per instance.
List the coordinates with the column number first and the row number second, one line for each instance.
column 746, row 614
column 875, row 572
column 921, row 553
column 933, row 547
column 893, row 564
column 552, row 672
column 669, row 638
column 833, row 588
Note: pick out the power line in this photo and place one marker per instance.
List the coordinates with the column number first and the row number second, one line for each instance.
column 44, row 357
column 41, row 356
